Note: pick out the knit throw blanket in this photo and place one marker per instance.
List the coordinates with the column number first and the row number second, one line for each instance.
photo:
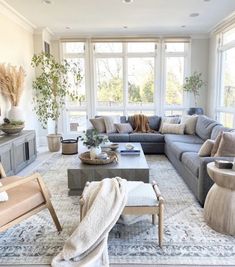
column 141, row 124
column 103, row 204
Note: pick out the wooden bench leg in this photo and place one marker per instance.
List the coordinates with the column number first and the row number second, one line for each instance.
column 160, row 224
column 154, row 219
column 54, row 216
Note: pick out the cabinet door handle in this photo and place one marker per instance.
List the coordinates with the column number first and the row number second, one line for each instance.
column 27, row 150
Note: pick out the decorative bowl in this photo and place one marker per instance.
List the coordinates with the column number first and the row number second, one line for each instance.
column 114, row 146
column 11, row 129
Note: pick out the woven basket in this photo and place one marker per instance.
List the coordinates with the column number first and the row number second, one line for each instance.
column 85, row 158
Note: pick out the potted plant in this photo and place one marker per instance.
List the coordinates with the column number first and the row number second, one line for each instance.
column 12, row 126
column 93, row 140
column 193, row 84
column 55, row 82
column 12, row 86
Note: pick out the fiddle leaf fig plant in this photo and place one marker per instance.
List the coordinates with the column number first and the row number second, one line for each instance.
column 55, row 82
column 193, row 84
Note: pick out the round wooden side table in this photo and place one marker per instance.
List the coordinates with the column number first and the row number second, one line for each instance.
column 219, row 208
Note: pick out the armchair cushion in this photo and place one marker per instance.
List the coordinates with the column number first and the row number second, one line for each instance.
column 22, row 199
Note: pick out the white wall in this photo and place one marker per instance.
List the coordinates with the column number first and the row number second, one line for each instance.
column 199, row 63
column 16, row 48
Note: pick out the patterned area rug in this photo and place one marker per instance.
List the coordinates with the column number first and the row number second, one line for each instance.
column 187, row 239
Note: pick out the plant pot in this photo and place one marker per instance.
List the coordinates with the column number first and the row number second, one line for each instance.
column 95, row 151
column 53, row 141
column 16, row 114
column 197, row 111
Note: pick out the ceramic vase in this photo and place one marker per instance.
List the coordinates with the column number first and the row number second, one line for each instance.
column 16, row 114
column 95, row 151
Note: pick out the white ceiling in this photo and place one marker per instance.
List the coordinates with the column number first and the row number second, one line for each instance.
column 85, row 17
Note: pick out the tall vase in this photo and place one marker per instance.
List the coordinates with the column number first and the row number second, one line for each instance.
column 16, row 113
column 95, row 151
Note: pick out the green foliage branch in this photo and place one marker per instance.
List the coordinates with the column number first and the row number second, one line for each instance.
column 52, row 86
column 193, row 84
column 92, row 138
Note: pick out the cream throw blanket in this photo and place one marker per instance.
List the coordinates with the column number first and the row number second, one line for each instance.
column 87, row 247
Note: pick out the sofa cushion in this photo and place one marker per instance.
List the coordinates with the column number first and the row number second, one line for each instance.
column 170, row 128
column 118, row 137
column 147, row 137
column 218, row 129
column 204, row 127
column 193, row 139
column 22, row 199
column 124, row 127
column 206, row 148
column 191, row 160
column 178, row 148
column 98, row 124
column 190, row 123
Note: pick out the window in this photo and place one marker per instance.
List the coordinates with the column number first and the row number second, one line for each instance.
column 225, row 108
column 124, row 78
column 75, row 116
column 175, row 56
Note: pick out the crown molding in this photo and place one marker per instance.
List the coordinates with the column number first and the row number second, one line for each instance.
column 41, row 30
column 12, row 14
column 223, row 24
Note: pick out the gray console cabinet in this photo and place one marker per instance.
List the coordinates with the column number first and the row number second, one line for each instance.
column 17, row 151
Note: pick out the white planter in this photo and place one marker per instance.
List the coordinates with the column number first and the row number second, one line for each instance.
column 95, row 151
column 16, row 113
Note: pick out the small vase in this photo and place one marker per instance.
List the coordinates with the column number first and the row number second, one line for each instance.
column 16, row 114
column 94, row 152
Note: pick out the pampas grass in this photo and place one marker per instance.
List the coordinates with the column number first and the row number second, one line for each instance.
column 11, row 82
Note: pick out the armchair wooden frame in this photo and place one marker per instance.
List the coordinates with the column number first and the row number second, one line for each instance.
column 46, row 205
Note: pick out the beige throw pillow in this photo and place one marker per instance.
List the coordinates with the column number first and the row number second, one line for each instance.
column 206, row 148
column 124, row 127
column 3, row 195
column 216, row 144
column 170, row 128
column 109, row 123
column 98, row 124
column 190, row 123
column 171, row 120
column 227, row 145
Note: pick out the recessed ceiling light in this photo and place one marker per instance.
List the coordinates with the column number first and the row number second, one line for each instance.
column 207, row 0
column 194, row 15
column 125, row 27
column 67, row 28
column 183, row 26
column 127, row 1
column 48, row 2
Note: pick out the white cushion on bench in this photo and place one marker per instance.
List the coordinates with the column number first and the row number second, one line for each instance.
column 141, row 194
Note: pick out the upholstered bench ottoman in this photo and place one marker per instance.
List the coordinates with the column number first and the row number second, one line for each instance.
column 143, row 198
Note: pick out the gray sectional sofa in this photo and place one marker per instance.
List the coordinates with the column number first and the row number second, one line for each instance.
column 181, row 150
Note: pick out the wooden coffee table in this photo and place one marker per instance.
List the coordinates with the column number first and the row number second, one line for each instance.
column 130, row 167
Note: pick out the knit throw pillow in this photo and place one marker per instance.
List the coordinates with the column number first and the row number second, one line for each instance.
column 124, row 127
column 170, row 128
column 206, row 148
column 190, row 123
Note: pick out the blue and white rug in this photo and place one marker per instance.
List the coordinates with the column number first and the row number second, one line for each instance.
column 187, row 239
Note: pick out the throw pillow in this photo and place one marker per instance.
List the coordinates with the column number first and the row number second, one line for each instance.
column 109, row 123
column 216, row 144
column 190, row 123
column 3, row 195
column 98, row 124
column 227, row 145
column 171, row 120
column 170, row 128
column 124, row 127
column 206, row 148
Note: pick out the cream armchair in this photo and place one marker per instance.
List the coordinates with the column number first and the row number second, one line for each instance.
column 27, row 196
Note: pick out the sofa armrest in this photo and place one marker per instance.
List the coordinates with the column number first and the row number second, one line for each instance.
column 204, row 180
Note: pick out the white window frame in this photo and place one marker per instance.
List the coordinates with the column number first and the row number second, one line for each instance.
column 221, row 48
column 159, row 56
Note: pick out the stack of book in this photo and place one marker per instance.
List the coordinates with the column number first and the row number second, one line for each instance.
column 130, row 152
